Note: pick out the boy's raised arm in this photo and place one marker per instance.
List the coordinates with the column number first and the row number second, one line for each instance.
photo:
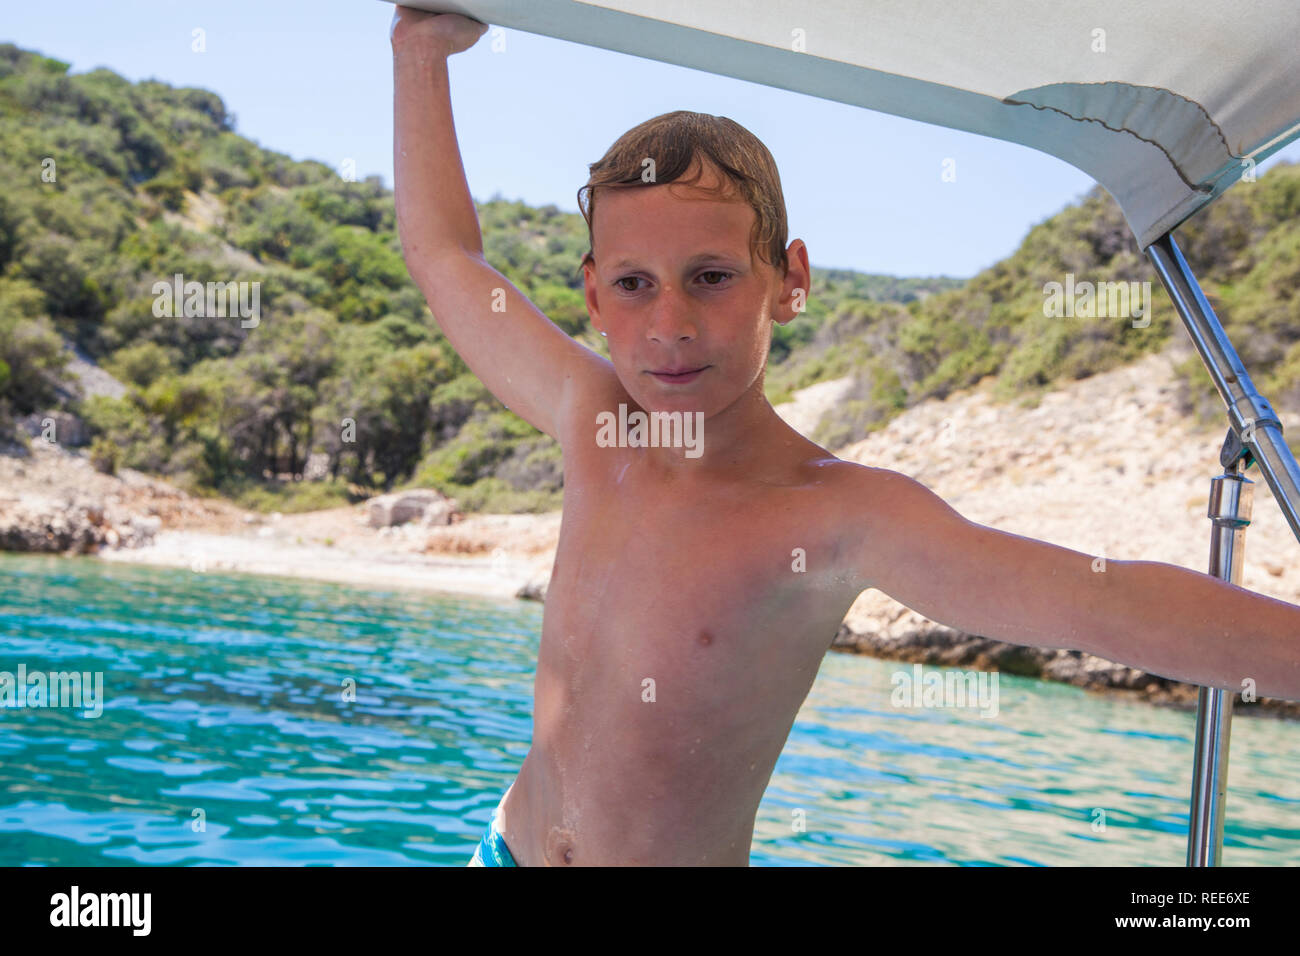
column 523, row 358
column 1157, row 617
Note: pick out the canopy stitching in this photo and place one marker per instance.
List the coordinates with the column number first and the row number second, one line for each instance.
column 1124, row 129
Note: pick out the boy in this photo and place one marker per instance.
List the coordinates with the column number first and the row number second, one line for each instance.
column 693, row 597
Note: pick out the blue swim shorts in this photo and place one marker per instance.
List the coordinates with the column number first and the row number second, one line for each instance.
column 492, row 849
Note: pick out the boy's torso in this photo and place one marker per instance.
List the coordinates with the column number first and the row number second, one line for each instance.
column 679, row 639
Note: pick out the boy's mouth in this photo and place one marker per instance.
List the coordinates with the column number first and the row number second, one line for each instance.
column 680, row 374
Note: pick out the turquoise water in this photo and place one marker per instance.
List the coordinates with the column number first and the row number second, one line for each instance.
column 225, row 739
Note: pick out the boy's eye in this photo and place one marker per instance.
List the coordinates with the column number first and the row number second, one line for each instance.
column 712, row 272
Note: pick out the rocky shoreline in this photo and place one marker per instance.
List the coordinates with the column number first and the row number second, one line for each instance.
column 53, row 501
column 69, row 526
column 63, row 520
column 939, row 646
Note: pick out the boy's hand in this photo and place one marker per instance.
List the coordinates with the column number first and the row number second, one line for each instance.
column 451, row 32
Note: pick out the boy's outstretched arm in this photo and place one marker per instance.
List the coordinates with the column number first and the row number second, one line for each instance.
column 523, row 358
column 1157, row 617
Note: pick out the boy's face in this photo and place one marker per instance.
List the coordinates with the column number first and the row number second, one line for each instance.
column 674, row 286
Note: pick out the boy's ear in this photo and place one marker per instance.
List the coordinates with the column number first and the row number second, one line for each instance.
column 795, row 285
column 589, row 291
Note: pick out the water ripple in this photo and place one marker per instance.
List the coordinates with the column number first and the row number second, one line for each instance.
column 266, row 721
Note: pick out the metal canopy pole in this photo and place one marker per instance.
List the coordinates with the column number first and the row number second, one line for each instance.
column 1251, row 416
column 1254, row 436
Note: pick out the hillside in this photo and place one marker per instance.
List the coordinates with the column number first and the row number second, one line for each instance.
column 344, row 386
column 343, row 378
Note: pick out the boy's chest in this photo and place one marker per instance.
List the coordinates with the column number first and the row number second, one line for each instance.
column 700, row 593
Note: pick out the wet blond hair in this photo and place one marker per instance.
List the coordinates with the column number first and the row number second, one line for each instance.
column 675, row 141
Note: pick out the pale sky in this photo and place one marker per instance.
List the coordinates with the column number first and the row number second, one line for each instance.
column 314, row 80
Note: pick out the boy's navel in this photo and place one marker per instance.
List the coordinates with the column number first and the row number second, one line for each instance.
column 559, row 846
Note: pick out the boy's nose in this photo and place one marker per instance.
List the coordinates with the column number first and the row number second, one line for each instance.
column 670, row 322
column 663, row 336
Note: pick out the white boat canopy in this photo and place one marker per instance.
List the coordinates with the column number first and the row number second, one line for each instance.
column 1166, row 103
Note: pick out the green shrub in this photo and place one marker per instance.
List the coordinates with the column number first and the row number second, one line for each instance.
column 289, row 497
column 105, row 455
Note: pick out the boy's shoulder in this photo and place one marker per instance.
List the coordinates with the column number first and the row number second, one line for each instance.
column 847, row 496
column 857, row 481
column 891, row 521
column 875, row 502
column 884, row 500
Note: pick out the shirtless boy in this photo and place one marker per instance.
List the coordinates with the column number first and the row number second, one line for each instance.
column 682, row 630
